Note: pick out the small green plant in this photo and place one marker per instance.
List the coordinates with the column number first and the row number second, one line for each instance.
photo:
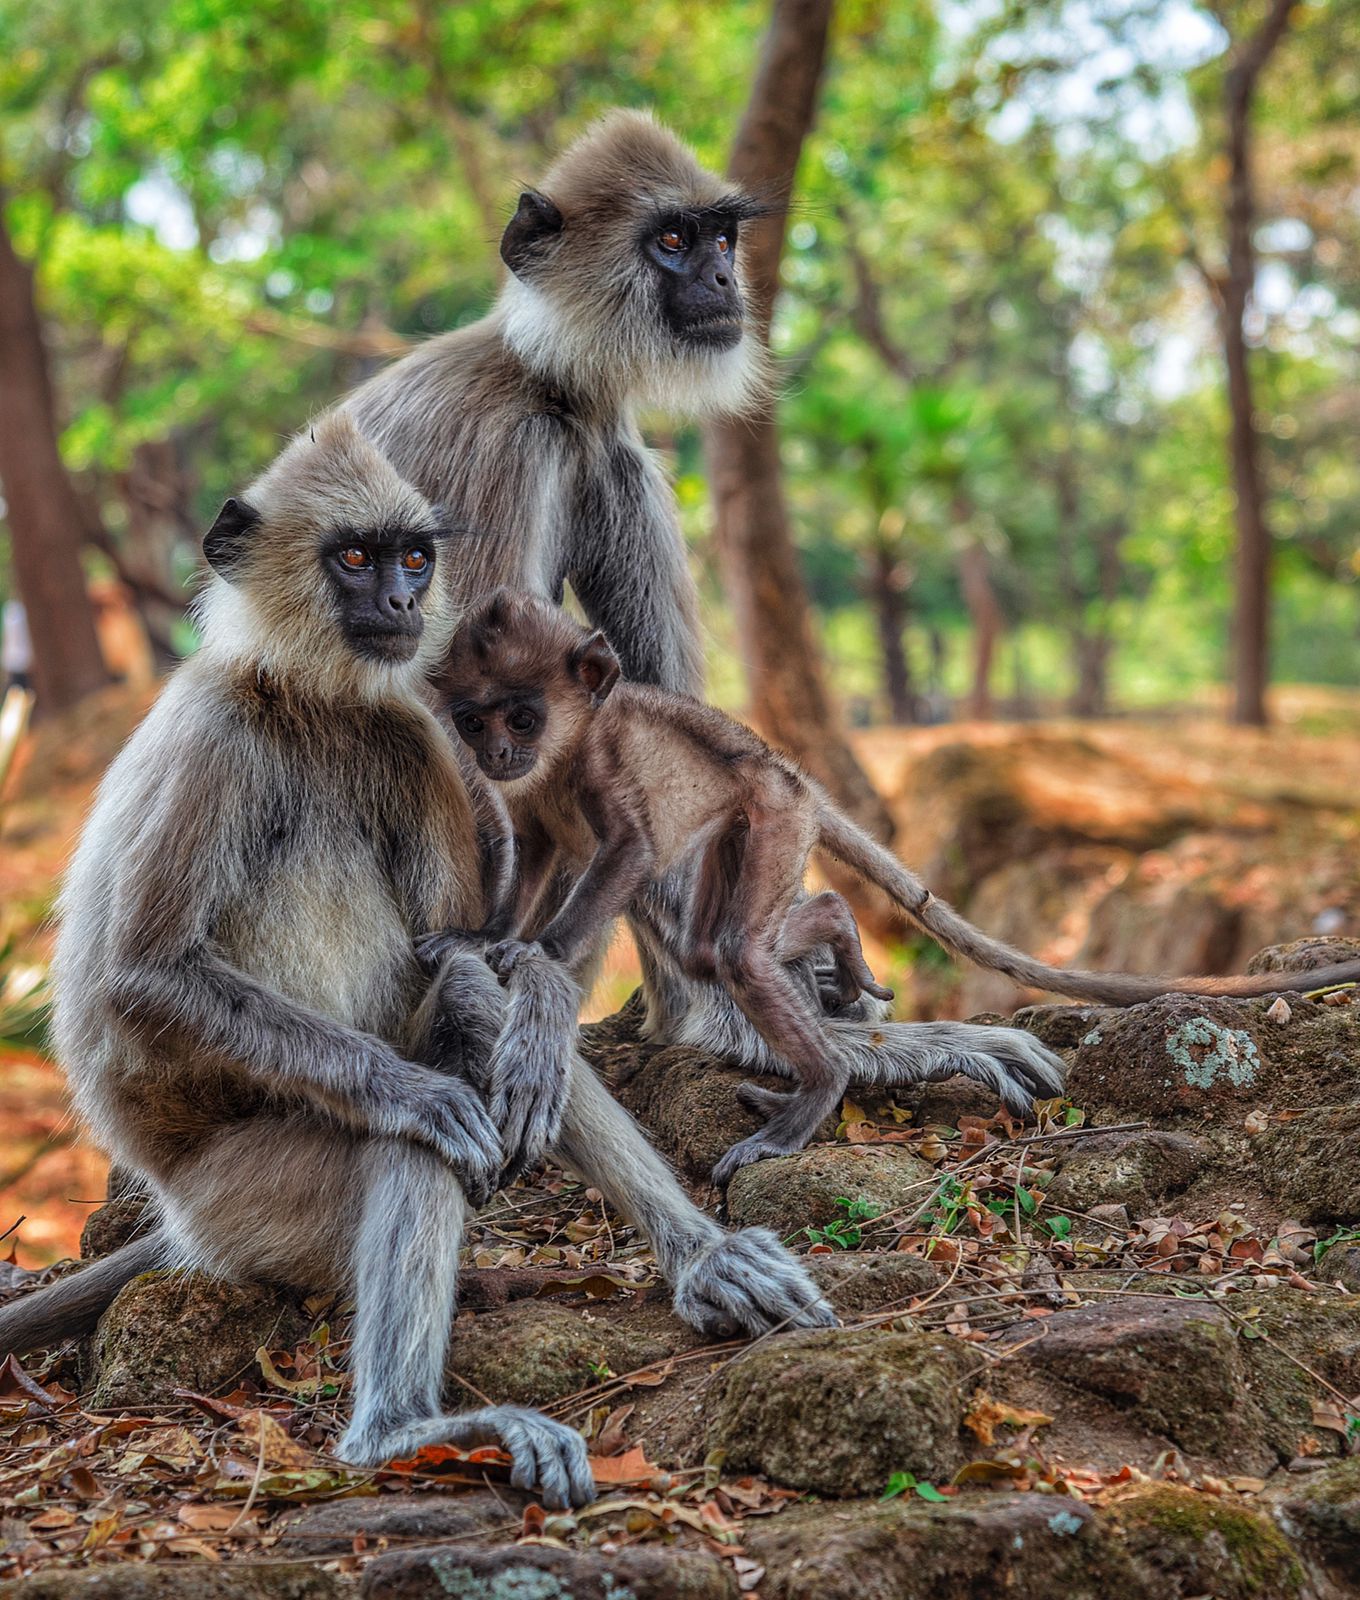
column 948, row 1208
column 25, row 1003
column 900, row 1482
column 845, row 1233
column 1344, row 1236
column 1059, row 1227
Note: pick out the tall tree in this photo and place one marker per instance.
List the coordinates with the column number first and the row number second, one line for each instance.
column 41, row 508
column 1251, row 624
column 789, row 698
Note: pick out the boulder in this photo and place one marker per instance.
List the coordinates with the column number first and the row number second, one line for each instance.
column 196, row 1580
column 1319, row 1511
column 182, row 1330
column 331, row 1529
column 791, row 1193
column 1137, row 1170
column 1312, row 1163
column 839, row 1411
column 542, row 1572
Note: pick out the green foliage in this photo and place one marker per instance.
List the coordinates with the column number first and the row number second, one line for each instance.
column 844, row 1233
column 991, row 335
column 900, row 1482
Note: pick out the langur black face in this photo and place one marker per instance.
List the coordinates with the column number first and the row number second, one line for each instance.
column 379, row 578
column 503, row 734
column 694, row 257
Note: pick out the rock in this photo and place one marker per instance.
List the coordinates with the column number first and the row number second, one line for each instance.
column 541, row 1572
column 1172, row 1368
column 1064, row 1027
column 1153, row 1543
column 839, row 1411
column 1304, row 955
column 1137, row 1170
column 977, row 1544
column 533, row 1353
column 1176, row 1056
column 182, row 1330
column 1183, row 1543
column 1139, row 927
column 330, row 1530
column 1320, row 1512
column 1340, row 1263
column 1321, row 1331
column 112, row 1226
column 791, row 1193
column 858, row 1285
column 193, row 1580
column 1312, row 1162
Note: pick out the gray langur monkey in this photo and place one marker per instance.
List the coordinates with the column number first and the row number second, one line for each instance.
column 625, row 290
column 239, row 1006
column 624, row 781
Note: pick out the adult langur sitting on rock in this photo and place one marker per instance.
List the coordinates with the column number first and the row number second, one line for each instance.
column 240, row 1009
column 625, row 290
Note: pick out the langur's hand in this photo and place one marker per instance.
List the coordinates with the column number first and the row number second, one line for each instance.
column 531, row 1062
column 431, row 948
column 502, row 958
column 448, row 1115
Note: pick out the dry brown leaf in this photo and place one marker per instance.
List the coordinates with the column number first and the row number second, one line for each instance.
column 986, row 1415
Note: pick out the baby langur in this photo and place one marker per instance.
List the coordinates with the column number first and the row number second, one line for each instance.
column 621, row 781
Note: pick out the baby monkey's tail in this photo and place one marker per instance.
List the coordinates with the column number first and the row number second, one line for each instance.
column 850, row 844
column 72, row 1305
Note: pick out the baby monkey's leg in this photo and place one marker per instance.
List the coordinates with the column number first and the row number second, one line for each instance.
column 826, row 919
column 751, row 964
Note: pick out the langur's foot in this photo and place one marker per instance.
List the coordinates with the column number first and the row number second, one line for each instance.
column 747, row 1282
column 759, row 1147
column 544, row 1454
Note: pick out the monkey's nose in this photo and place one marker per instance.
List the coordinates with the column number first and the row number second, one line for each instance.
column 401, row 603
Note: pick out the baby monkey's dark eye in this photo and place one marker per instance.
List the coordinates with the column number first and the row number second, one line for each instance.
column 415, row 560
column 354, row 556
column 471, row 724
column 672, row 239
column 521, row 722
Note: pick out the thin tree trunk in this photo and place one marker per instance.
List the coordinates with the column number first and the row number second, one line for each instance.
column 889, row 596
column 985, row 611
column 42, row 509
column 1251, row 622
column 789, row 698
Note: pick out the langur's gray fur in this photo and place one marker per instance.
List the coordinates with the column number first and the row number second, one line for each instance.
column 242, row 1015
column 523, row 426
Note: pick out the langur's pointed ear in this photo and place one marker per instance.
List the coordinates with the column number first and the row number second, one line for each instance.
column 496, row 613
column 595, row 667
column 225, row 543
column 530, row 232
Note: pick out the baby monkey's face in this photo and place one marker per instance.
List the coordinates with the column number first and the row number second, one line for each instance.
column 503, row 735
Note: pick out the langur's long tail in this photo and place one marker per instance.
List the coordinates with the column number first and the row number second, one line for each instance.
column 850, row 844
column 72, row 1305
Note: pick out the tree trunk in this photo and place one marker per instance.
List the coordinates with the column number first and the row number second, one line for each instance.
column 1251, row 620
column 985, row 611
column 889, row 595
column 789, row 699
column 42, row 510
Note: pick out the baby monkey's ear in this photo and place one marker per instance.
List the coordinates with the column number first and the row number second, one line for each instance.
column 595, row 667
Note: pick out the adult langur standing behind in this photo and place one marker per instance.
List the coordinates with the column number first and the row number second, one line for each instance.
column 239, row 1007
column 625, row 290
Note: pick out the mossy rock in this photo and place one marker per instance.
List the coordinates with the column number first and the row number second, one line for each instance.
column 1319, row 1330
column 1312, row 1163
column 858, row 1285
column 1198, row 1544
column 976, row 1544
column 791, row 1193
column 533, row 1353
column 1062, row 1027
column 541, row 1572
column 841, row 1411
column 183, row 1330
column 1137, row 1170
column 1340, row 1263
column 113, row 1225
column 1320, row 1513
column 1305, row 955
column 330, row 1529
column 193, row 1580
column 1171, row 1367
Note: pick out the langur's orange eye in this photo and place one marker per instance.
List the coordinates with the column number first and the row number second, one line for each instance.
column 415, row 561
column 723, row 243
column 672, row 239
column 354, row 556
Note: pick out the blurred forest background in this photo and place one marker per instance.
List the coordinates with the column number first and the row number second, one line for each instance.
column 1068, row 328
